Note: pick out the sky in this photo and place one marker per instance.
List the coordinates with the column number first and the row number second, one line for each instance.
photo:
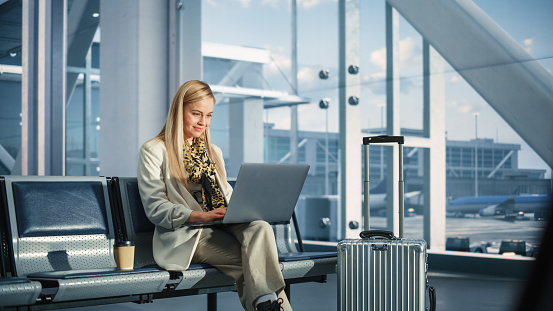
column 267, row 24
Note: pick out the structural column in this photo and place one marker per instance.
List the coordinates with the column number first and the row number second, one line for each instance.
column 43, row 87
column 393, row 126
column 246, row 125
column 349, row 224
column 435, row 156
column 294, row 80
column 189, row 38
column 134, row 79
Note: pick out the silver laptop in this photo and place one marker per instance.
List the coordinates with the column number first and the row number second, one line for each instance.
column 263, row 192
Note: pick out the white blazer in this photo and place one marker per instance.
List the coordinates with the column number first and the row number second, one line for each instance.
column 168, row 205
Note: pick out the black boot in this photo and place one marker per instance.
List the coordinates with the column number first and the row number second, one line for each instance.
column 268, row 306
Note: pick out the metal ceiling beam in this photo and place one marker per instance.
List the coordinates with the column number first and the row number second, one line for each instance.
column 289, row 153
column 232, row 76
column 501, row 163
column 6, row 159
column 235, row 73
column 81, row 27
column 517, row 86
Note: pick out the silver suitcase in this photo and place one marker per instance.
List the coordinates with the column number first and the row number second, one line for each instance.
column 379, row 271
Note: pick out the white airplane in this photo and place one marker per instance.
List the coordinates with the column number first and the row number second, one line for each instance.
column 413, row 200
column 500, row 205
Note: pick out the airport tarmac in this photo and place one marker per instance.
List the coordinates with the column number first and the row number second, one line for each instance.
column 488, row 229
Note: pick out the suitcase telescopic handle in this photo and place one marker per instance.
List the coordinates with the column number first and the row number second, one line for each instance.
column 383, row 139
column 366, row 188
column 377, row 233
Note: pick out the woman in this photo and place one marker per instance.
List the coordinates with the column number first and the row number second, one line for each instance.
column 182, row 178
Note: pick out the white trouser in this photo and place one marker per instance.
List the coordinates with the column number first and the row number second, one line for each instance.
column 248, row 253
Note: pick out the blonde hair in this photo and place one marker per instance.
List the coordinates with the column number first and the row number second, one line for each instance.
column 172, row 133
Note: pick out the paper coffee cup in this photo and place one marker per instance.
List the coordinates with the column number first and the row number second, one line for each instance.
column 124, row 255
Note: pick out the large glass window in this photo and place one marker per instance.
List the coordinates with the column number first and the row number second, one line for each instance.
column 10, row 85
column 471, row 124
column 470, row 117
column 82, row 119
column 485, row 156
column 81, row 110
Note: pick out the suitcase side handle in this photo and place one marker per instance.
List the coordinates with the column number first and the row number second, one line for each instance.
column 432, row 298
column 377, row 233
column 383, row 139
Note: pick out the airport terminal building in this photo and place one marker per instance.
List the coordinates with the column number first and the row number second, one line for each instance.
column 498, row 170
column 85, row 83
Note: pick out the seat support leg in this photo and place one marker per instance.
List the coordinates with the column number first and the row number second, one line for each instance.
column 212, row 302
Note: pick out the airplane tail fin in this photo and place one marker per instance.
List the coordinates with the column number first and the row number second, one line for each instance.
column 380, row 188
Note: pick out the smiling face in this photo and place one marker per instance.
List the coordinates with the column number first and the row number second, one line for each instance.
column 197, row 118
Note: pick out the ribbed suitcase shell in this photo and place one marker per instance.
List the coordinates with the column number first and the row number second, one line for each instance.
column 381, row 274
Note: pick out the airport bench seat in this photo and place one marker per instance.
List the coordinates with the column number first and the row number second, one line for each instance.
column 299, row 265
column 18, row 291
column 296, row 266
column 100, row 283
column 63, row 237
column 137, row 228
column 58, row 236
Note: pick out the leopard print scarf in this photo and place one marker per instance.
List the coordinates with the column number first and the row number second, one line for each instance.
column 201, row 170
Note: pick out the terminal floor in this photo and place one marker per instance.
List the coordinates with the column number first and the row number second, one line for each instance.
column 454, row 293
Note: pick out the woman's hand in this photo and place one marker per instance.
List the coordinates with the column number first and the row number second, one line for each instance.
column 216, row 214
column 213, row 215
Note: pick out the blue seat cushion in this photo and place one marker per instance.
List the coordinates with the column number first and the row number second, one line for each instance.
column 305, row 255
column 59, row 208
column 74, row 274
column 198, row 266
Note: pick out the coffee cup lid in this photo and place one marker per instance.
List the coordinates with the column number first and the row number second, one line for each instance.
column 124, row 243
